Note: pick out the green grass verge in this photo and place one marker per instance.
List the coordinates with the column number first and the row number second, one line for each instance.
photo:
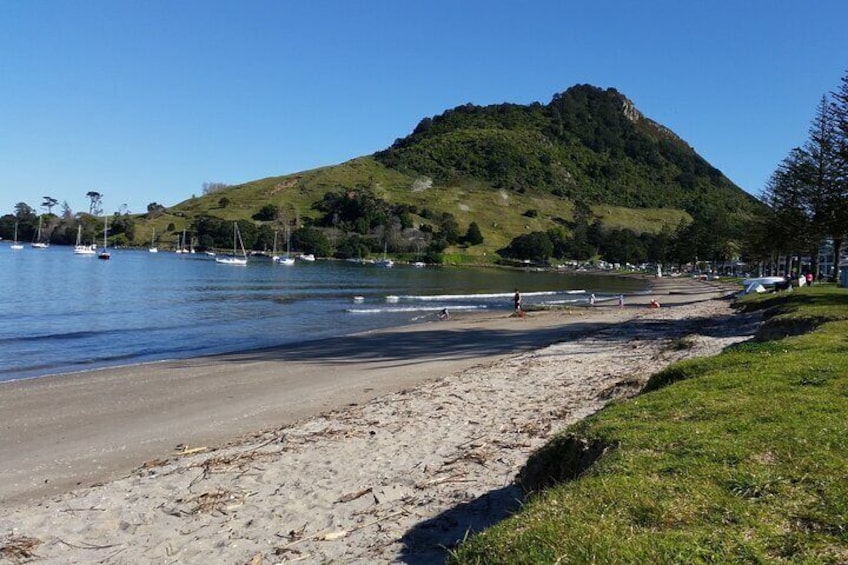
column 738, row 458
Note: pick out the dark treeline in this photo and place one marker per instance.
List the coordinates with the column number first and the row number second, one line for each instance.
column 701, row 240
column 62, row 228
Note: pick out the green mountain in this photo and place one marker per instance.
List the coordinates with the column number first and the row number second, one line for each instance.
column 511, row 169
column 588, row 145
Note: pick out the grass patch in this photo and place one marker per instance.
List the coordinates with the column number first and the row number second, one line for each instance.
column 738, row 458
column 639, row 220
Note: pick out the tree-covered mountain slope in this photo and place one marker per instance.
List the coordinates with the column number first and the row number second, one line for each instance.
column 587, row 145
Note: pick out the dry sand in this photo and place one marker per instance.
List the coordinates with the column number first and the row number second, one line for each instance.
column 382, row 447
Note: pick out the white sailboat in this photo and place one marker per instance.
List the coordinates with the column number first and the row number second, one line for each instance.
column 153, row 248
column 234, row 259
column 182, row 245
column 286, row 259
column 15, row 243
column 274, row 255
column 37, row 243
column 104, row 252
column 79, row 248
column 385, row 262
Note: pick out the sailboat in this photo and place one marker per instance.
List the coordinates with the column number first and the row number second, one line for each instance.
column 15, row 244
column 182, row 245
column 286, row 259
column 104, row 253
column 79, row 248
column 274, row 256
column 37, row 243
column 385, row 262
column 234, row 259
column 153, row 248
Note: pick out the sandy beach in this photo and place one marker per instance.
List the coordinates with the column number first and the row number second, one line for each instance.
column 380, row 447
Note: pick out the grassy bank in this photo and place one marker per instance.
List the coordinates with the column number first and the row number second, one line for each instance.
column 738, row 458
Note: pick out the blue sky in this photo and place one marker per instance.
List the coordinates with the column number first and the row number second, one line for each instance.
column 145, row 100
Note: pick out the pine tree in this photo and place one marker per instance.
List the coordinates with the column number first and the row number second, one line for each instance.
column 820, row 178
column 839, row 195
column 473, row 236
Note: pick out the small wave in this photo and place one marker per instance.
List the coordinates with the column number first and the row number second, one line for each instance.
column 51, row 337
column 403, row 309
column 484, row 296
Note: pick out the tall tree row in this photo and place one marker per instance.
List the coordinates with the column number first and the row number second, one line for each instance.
column 838, row 196
column 808, row 192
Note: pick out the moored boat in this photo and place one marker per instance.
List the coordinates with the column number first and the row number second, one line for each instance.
column 104, row 252
column 234, row 259
column 37, row 243
column 80, row 248
column 15, row 244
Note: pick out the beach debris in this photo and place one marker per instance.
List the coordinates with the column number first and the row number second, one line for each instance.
column 295, row 535
column 183, row 450
column 152, row 463
column 86, row 545
column 354, row 495
column 18, row 548
column 339, row 534
column 89, row 509
column 334, row 535
column 209, row 502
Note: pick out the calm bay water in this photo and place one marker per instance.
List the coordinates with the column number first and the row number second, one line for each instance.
column 63, row 312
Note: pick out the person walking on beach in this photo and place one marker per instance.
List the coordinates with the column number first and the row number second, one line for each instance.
column 517, row 302
column 621, row 301
column 592, row 299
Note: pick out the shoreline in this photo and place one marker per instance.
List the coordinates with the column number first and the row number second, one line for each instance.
column 350, row 413
column 633, row 298
column 133, row 424
column 89, row 366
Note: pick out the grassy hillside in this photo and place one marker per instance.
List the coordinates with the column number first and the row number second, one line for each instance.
column 739, row 458
column 499, row 213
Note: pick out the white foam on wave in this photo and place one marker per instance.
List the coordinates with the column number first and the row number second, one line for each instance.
column 401, row 309
column 485, row 296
